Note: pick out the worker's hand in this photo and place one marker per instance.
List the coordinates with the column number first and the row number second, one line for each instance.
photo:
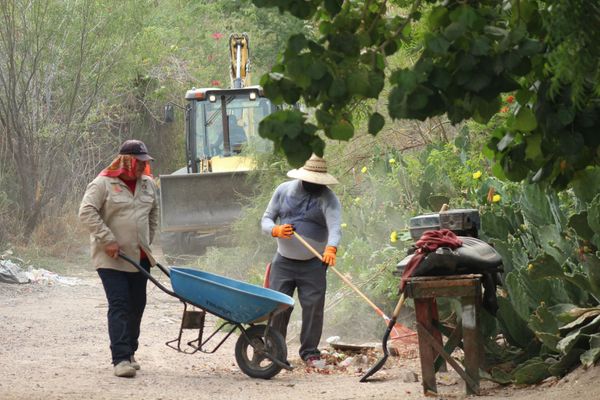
column 329, row 255
column 112, row 249
column 283, row 231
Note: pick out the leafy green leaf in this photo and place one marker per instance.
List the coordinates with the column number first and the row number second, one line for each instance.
column 544, row 266
column 376, row 123
column 480, row 46
column 525, row 120
column 342, row 130
column 466, row 15
column 296, row 151
column 594, row 214
column 296, row 43
column 358, row 83
column 586, row 184
column 479, row 81
column 454, row 31
column 376, row 83
column 337, row 90
column 317, row 69
column 437, row 17
column 545, row 326
column 591, row 266
column 532, row 371
column 590, row 357
column 440, row 78
column 579, row 223
column 533, row 151
column 499, row 376
column 333, row 7
column 566, row 362
column 436, row 44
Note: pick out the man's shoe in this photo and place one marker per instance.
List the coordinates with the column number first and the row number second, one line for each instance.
column 124, row 370
column 134, row 363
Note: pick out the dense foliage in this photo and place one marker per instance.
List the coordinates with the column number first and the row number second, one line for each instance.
column 468, row 54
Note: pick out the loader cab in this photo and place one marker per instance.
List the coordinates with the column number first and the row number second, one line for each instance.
column 221, row 123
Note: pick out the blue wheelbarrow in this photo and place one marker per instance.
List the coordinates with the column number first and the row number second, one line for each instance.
column 260, row 351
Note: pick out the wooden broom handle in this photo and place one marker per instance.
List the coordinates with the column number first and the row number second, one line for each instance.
column 346, row 280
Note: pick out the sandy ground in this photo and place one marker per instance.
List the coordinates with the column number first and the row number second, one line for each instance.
column 55, row 346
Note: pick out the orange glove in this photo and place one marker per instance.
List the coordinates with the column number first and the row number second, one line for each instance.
column 282, row 231
column 329, row 255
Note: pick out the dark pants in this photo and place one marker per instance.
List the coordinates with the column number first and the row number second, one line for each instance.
column 126, row 295
column 310, row 278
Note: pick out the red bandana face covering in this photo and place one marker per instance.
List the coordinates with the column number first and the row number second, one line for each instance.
column 124, row 165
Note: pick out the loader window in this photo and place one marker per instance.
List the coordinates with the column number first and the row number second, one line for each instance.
column 243, row 116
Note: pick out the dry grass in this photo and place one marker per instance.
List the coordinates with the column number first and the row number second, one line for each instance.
column 59, row 243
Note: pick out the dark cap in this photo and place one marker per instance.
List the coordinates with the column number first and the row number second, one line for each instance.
column 136, row 148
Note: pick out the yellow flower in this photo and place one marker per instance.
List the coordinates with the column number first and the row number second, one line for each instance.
column 477, row 175
column 357, row 200
column 496, row 198
column 392, row 161
column 344, row 225
column 394, row 237
column 363, row 170
column 529, row 267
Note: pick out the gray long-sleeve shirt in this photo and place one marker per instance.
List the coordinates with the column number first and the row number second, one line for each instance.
column 317, row 217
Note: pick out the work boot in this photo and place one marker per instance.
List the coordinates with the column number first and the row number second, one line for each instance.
column 134, row 363
column 124, row 369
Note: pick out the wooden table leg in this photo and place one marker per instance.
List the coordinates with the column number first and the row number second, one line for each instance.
column 426, row 351
column 471, row 340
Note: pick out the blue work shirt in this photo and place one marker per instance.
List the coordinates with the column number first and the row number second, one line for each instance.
column 315, row 216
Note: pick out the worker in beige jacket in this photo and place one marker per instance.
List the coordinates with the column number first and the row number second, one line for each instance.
column 120, row 209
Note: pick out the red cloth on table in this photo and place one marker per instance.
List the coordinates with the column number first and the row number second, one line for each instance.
column 430, row 241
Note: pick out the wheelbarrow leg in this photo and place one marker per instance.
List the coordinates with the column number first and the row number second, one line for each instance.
column 189, row 320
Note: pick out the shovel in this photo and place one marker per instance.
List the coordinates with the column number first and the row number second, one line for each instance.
column 399, row 331
column 386, row 336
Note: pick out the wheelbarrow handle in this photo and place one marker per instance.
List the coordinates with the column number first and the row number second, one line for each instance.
column 149, row 276
column 164, row 270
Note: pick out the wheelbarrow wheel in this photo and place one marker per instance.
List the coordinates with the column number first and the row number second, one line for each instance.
column 250, row 356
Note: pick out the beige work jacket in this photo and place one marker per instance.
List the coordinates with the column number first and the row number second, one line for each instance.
column 112, row 213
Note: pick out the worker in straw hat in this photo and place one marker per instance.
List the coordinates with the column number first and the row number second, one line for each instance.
column 308, row 206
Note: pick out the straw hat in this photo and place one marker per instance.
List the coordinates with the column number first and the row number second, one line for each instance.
column 314, row 171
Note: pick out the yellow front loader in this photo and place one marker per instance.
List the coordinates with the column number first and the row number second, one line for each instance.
column 201, row 200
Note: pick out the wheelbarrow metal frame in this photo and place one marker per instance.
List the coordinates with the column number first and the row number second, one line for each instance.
column 201, row 343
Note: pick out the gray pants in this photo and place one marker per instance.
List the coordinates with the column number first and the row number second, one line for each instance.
column 310, row 277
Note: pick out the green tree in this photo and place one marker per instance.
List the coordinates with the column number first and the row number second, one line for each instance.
column 57, row 60
column 468, row 55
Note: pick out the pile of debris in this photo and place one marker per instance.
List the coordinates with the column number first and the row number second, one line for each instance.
column 351, row 359
column 12, row 270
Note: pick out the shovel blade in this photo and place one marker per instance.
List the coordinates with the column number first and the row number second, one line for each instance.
column 386, row 353
column 374, row 368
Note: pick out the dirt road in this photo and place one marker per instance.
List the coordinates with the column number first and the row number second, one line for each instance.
column 55, row 346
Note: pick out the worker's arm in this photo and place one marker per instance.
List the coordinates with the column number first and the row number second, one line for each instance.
column 154, row 213
column 332, row 209
column 89, row 213
column 271, row 214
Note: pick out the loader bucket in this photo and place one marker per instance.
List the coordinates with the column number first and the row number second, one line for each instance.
column 194, row 202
